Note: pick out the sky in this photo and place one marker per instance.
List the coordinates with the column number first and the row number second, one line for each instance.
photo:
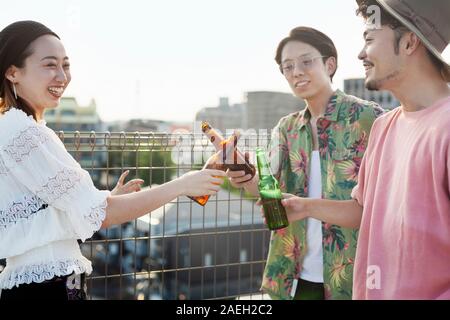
column 168, row 59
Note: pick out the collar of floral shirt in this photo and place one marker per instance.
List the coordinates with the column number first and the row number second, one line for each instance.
column 331, row 112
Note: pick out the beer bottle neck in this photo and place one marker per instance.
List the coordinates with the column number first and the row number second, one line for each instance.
column 263, row 164
column 226, row 149
column 216, row 139
column 229, row 149
column 268, row 186
column 264, row 171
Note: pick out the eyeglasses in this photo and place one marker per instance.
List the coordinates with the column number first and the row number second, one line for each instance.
column 304, row 64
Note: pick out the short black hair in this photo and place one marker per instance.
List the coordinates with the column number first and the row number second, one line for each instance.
column 314, row 38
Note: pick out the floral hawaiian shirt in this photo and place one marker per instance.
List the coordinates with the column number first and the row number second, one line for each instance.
column 343, row 133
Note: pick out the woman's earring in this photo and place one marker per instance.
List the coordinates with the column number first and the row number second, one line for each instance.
column 15, row 91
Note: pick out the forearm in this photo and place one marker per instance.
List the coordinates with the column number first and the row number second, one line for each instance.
column 130, row 206
column 344, row 213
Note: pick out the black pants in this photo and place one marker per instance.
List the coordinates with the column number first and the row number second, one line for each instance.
column 307, row 290
column 64, row 288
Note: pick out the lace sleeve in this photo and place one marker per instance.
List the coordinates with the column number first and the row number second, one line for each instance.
column 36, row 158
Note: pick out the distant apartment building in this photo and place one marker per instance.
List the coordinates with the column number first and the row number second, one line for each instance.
column 145, row 125
column 70, row 116
column 260, row 110
column 148, row 125
column 266, row 108
column 223, row 116
column 357, row 88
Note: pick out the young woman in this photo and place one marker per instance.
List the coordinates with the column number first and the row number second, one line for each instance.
column 314, row 153
column 47, row 201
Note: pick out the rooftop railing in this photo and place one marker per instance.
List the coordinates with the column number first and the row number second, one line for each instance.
column 181, row 250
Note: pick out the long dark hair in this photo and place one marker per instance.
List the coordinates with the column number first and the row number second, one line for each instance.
column 15, row 48
column 7, row 99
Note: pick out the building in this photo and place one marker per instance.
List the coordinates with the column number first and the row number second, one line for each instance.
column 70, row 116
column 260, row 110
column 223, row 116
column 265, row 108
column 146, row 125
column 357, row 88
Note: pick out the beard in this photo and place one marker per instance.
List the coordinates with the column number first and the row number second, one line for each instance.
column 377, row 84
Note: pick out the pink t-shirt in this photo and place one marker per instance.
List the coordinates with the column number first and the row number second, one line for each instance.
column 404, row 186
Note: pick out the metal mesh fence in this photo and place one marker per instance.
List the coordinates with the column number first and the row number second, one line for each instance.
column 181, row 250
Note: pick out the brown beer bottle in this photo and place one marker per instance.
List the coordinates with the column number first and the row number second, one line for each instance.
column 238, row 161
column 218, row 161
column 226, row 157
column 270, row 194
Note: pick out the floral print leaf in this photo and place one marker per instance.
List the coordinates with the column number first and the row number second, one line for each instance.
column 347, row 184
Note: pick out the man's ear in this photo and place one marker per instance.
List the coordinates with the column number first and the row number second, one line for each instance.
column 410, row 42
column 331, row 65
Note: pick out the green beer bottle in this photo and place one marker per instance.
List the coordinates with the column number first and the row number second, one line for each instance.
column 270, row 193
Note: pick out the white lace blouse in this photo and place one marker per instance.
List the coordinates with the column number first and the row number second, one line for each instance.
column 47, row 202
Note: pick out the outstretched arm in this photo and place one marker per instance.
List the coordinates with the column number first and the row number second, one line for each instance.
column 344, row 213
column 127, row 207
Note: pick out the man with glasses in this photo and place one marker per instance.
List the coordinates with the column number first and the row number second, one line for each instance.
column 314, row 153
column 402, row 200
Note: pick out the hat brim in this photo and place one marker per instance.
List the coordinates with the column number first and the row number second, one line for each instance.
column 444, row 56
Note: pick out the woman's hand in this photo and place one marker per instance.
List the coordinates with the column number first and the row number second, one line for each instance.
column 131, row 186
column 201, row 183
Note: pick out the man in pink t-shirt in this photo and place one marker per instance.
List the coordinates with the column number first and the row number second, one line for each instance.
column 402, row 201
